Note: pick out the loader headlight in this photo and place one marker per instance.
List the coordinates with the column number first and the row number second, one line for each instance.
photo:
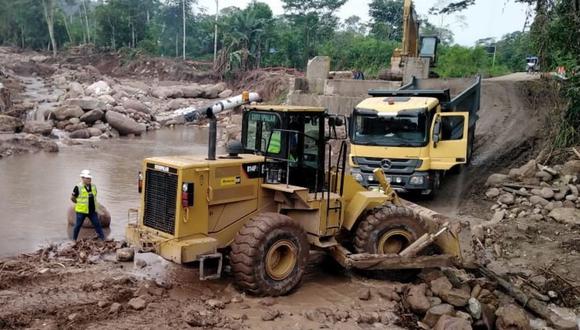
column 358, row 177
column 416, row 180
column 184, row 187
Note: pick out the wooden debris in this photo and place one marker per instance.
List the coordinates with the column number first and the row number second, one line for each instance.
column 547, row 169
column 520, row 186
column 517, row 192
column 527, row 302
column 576, row 152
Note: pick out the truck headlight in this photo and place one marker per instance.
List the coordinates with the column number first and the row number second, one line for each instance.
column 398, row 179
column 371, row 178
column 358, row 177
column 416, row 180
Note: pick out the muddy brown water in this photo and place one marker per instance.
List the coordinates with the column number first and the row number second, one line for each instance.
column 35, row 189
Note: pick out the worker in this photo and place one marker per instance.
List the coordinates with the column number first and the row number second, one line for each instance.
column 85, row 198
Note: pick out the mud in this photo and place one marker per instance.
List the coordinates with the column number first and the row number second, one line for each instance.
column 76, row 286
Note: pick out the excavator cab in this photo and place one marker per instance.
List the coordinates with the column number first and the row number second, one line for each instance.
column 428, row 49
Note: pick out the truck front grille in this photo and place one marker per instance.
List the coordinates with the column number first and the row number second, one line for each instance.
column 395, row 166
column 160, row 199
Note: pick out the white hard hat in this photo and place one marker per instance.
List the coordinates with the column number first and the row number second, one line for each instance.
column 86, row 174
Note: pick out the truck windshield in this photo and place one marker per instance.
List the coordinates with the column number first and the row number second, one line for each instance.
column 408, row 129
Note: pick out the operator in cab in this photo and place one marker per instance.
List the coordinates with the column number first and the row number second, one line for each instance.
column 85, row 198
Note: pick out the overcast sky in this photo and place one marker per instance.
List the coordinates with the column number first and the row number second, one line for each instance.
column 487, row 18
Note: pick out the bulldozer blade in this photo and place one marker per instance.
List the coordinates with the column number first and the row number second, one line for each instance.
column 367, row 261
column 456, row 241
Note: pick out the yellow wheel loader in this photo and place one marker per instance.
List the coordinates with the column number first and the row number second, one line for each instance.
column 278, row 194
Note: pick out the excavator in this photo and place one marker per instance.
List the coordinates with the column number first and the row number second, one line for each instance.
column 279, row 193
column 418, row 53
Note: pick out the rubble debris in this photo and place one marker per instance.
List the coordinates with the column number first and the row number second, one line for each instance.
column 125, row 254
column 417, row 299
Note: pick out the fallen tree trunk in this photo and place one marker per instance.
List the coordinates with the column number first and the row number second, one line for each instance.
column 532, row 304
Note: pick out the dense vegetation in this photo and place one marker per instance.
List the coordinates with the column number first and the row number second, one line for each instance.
column 248, row 38
column 555, row 36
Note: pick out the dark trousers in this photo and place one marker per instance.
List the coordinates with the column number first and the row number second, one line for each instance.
column 94, row 217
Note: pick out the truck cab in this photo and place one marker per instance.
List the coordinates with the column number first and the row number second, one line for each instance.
column 413, row 135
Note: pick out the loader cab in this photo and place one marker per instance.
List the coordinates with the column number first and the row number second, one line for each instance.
column 293, row 140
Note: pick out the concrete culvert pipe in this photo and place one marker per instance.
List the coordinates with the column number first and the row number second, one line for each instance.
column 104, row 217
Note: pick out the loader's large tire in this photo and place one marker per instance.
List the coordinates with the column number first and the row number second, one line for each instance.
column 269, row 255
column 388, row 229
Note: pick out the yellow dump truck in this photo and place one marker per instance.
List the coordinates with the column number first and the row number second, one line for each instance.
column 415, row 134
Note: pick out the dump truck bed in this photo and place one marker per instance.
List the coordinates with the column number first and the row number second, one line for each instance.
column 455, row 95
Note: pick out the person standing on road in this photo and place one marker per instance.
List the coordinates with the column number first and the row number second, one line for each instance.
column 85, row 198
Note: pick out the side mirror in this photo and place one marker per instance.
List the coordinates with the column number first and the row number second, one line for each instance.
column 332, row 123
column 335, row 121
column 436, row 132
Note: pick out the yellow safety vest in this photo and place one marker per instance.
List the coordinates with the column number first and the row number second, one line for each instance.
column 82, row 205
column 274, row 146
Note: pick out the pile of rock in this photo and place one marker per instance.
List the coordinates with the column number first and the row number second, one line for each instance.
column 537, row 192
column 95, row 112
column 454, row 299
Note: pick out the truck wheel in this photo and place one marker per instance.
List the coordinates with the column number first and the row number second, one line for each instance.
column 269, row 255
column 389, row 229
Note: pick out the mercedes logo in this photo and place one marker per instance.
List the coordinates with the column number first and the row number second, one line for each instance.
column 386, row 164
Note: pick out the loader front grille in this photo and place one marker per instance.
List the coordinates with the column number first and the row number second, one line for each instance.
column 160, row 199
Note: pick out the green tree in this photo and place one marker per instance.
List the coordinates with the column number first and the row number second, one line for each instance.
column 314, row 20
column 445, row 35
column 386, row 19
column 354, row 24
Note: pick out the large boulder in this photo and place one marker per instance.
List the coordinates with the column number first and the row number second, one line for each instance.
column 136, row 105
column 87, row 103
column 225, row 94
column 191, row 91
column 527, row 170
column 38, row 127
column 124, row 124
column 512, row 317
column 92, row 116
column 82, row 133
column 164, row 92
column 102, row 212
column 496, row 180
column 94, row 131
column 434, row 313
column 447, row 322
column 566, row 215
column 99, row 88
column 213, row 91
column 68, row 111
column 5, row 100
column 75, row 90
column 10, row 124
column 571, row 167
column 108, row 100
column 417, row 299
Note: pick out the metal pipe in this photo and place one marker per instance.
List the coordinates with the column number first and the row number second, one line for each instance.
column 192, row 113
column 211, row 144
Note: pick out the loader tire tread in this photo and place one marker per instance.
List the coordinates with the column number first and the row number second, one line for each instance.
column 249, row 249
